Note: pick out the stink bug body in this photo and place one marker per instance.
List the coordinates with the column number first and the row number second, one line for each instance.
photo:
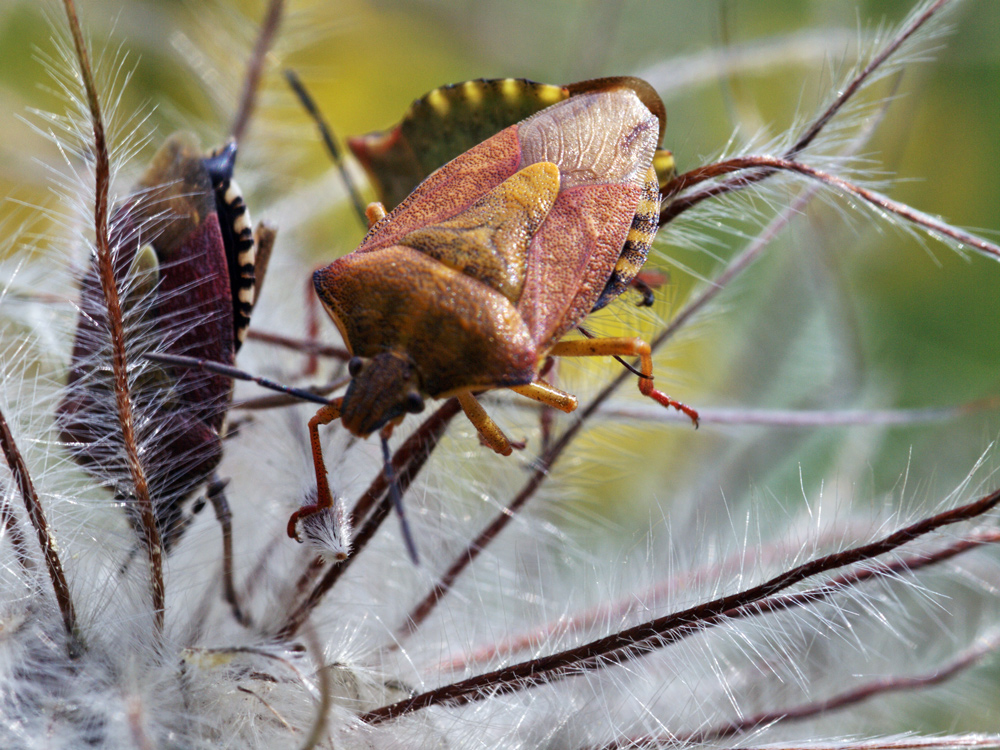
column 186, row 261
column 453, row 119
column 473, row 280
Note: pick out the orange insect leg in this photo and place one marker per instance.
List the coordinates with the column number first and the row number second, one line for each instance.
column 375, row 213
column 324, row 499
column 492, row 434
column 545, row 394
column 624, row 347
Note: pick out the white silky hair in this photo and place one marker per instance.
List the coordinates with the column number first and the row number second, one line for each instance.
column 601, row 548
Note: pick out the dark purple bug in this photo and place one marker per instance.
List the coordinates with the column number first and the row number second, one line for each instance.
column 188, row 267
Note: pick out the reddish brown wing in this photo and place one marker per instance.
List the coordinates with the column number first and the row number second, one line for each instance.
column 603, row 144
column 450, row 190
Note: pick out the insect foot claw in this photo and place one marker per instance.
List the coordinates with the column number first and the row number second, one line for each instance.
column 327, row 531
column 293, row 521
column 647, row 389
column 512, row 445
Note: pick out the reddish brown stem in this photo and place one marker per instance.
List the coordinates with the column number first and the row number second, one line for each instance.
column 772, row 164
column 890, row 684
column 674, row 208
column 119, row 363
column 629, row 644
column 19, row 470
column 13, row 531
column 633, row 602
column 309, row 346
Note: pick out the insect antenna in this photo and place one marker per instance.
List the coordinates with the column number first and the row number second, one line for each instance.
column 234, row 372
column 397, row 499
column 330, row 141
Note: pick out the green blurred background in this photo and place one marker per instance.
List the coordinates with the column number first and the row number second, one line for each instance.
column 844, row 312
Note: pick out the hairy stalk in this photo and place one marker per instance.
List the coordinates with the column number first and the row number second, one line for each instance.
column 628, row 644
column 677, row 206
column 906, row 742
column 255, row 68
column 891, row 684
column 632, row 603
column 105, row 261
column 879, row 201
column 13, row 531
column 406, row 464
column 50, row 550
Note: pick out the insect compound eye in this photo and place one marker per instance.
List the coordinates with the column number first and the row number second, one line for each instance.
column 354, row 366
column 414, row 403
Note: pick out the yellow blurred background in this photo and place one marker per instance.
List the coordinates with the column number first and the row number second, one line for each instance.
column 845, row 311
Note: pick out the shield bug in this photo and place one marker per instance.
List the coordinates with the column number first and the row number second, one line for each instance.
column 472, row 281
column 188, row 266
column 452, row 119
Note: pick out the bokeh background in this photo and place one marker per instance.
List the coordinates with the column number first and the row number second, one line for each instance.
column 844, row 312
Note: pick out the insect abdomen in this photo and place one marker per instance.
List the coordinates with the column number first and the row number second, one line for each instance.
column 640, row 238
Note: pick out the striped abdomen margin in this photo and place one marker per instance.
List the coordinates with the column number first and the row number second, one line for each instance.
column 237, row 234
column 640, row 238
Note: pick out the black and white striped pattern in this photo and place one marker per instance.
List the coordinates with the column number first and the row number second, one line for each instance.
column 241, row 256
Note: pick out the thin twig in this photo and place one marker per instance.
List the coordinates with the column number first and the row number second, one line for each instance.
column 307, row 346
column 889, row 684
column 884, row 203
column 13, row 531
column 50, row 550
column 794, row 418
column 406, row 463
column 635, row 601
column 255, row 67
column 679, row 205
column 623, row 646
column 119, row 362
column 906, row 742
